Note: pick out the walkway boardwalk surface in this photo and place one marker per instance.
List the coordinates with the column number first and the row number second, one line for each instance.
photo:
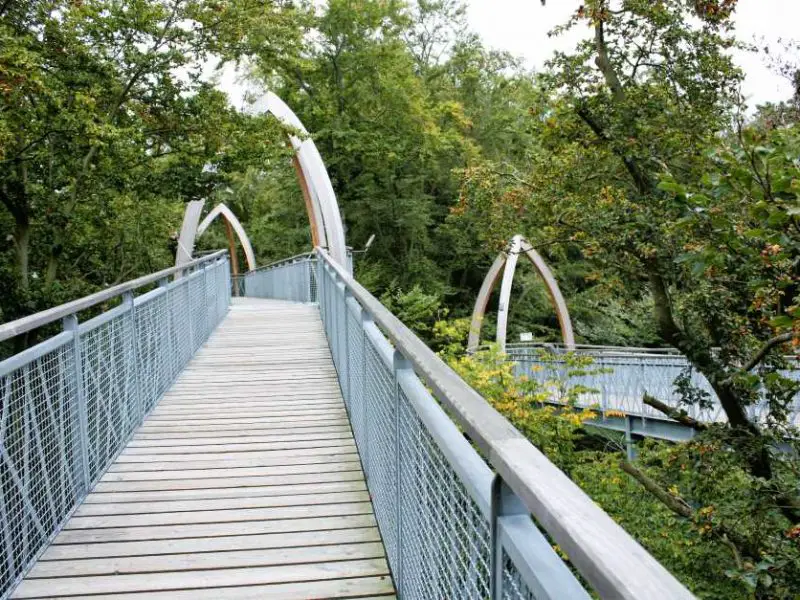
column 244, row 482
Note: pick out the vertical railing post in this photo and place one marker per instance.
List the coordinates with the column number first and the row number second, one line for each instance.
column 204, row 306
column 399, row 365
column 188, row 306
column 135, row 368
column 504, row 503
column 167, row 351
column 347, row 378
column 366, row 321
column 70, row 324
column 341, row 320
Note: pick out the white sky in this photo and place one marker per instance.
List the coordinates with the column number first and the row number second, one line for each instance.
column 521, row 26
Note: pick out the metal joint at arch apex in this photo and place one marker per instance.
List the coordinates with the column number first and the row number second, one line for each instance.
column 506, row 263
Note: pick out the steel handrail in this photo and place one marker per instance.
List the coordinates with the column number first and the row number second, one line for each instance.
column 610, row 560
column 39, row 319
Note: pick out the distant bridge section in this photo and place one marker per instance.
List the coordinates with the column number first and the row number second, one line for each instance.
column 621, row 376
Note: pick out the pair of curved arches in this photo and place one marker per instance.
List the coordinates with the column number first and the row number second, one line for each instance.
column 506, row 264
column 325, row 219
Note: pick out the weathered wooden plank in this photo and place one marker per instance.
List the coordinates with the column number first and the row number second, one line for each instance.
column 249, row 418
column 282, row 436
column 219, row 516
column 192, row 561
column 58, row 552
column 244, row 427
column 134, row 508
column 334, row 589
column 191, row 455
column 117, row 584
column 226, row 492
column 126, row 483
column 160, row 449
column 253, row 436
column 247, row 414
column 245, row 405
column 170, row 532
column 255, row 398
column 243, row 461
column 345, row 465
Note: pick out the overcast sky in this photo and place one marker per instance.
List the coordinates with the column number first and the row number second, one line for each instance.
column 521, row 26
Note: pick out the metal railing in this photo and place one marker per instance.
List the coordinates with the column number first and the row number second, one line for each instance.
column 289, row 279
column 70, row 403
column 622, row 376
column 456, row 517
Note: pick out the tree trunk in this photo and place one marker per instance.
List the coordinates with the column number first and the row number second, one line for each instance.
column 22, row 239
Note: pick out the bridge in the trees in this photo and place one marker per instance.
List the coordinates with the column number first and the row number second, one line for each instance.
column 297, row 441
column 179, row 445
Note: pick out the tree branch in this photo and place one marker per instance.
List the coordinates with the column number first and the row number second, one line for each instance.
column 603, row 63
column 677, row 505
column 764, row 350
column 640, row 178
column 673, row 413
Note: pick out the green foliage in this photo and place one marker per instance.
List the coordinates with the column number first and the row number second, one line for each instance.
column 667, row 218
column 730, row 538
column 106, row 129
column 415, row 308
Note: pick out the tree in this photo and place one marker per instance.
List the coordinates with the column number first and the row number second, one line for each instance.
column 106, row 128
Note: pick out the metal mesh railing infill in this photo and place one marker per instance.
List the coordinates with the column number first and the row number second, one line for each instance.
column 71, row 402
column 293, row 279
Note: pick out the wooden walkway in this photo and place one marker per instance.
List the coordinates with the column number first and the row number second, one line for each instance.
column 243, row 483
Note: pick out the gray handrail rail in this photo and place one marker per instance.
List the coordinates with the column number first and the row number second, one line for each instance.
column 34, row 321
column 278, row 263
column 608, row 558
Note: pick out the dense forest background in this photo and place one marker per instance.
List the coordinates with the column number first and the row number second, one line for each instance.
column 668, row 209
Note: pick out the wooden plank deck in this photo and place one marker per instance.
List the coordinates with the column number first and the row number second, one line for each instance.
column 244, row 482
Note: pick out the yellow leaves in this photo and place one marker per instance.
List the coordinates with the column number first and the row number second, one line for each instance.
column 615, row 413
column 557, row 549
column 706, row 511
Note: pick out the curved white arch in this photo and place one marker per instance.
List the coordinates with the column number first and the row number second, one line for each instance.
column 323, row 208
column 507, row 261
column 222, row 209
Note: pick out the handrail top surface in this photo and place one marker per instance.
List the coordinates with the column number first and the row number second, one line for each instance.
column 278, row 263
column 615, row 564
column 39, row 319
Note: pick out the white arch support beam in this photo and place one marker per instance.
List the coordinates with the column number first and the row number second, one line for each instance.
column 227, row 213
column 191, row 217
column 321, row 203
column 505, row 290
column 507, row 263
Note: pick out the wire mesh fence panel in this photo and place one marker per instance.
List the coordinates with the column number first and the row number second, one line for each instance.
column 514, row 587
column 70, row 404
column 153, row 347
column 446, row 538
column 196, row 304
column 40, row 475
column 381, row 461
column 293, row 280
column 356, row 397
column 180, row 328
column 312, row 280
column 109, row 384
